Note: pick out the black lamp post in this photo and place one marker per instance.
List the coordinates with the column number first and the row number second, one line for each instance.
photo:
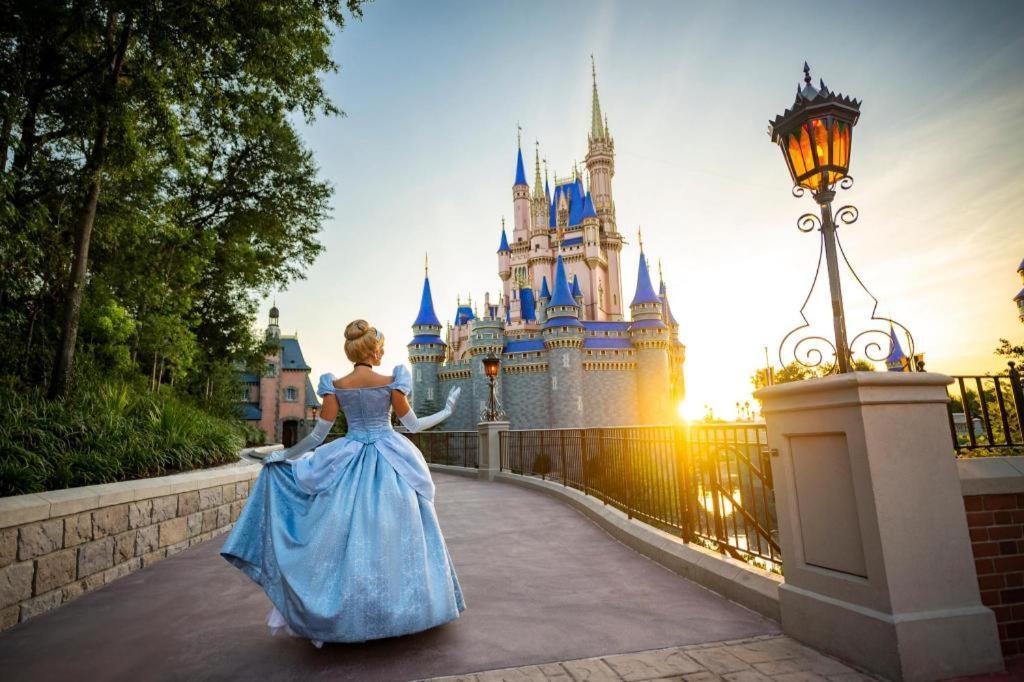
column 491, row 364
column 815, row 137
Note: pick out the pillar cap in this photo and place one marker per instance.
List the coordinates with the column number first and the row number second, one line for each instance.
column 856, row 388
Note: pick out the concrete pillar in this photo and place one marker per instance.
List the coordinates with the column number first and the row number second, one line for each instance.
column 489, row 449
column 875, row 547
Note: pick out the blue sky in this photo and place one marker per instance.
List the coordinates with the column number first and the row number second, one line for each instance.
column 424, row 161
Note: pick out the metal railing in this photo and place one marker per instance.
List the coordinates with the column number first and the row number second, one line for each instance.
column 454, row 448
column 708, row 483
column 986, row 413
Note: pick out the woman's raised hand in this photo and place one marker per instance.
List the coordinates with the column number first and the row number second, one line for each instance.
column 453, row 397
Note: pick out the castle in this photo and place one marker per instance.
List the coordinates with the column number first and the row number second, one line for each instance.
column 280, row 401
column 568, row 357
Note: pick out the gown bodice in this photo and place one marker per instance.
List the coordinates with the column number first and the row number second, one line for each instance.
column 368, row 412
column 366, row 409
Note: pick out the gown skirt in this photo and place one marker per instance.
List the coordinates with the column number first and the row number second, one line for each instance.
column 346, row 543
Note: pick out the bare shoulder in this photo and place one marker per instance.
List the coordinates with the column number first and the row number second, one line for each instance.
column 371, row 380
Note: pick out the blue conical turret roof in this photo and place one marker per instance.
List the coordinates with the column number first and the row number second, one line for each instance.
column 427, row 316
column 663, row 295
column 576, row 286
column 520, row 171
column 504, row 242
column 896, row 355
column 527, row 305
column 588, row 208
column 544, row 291
column 644, row 288
column 562, row 295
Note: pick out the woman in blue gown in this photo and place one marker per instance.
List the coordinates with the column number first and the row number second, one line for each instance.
column 344, row 539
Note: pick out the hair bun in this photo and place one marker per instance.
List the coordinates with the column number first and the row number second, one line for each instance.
column 356, row 330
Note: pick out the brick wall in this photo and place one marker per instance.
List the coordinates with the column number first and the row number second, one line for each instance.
column 57, row 545
column 996, row 524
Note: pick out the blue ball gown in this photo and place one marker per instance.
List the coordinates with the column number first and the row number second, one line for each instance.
column 345, row 540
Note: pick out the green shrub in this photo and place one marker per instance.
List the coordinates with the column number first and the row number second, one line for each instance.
column 107, row 431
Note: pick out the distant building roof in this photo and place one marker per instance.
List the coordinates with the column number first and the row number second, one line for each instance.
column 520, row 171
column 562, row 295
column 644, row 288
column 426, row 315
column 311, row 400
column 248, row 378
column 576, row 286
column 1019, row 296
column 610, row 343
column 588, row 208
column 562, row 321
column 463, row 315
column 896, row 355
column 426, row 338
column 527, row 304
column 572, row 241
column 524, row 346
column 544, row 291
column 643, row 324
column 251, row 412
column 291, row 355
column 606, row 325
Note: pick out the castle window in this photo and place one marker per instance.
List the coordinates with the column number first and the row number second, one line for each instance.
column 270, row 370
column 430, row 394
column 245, row 395
column 290, row 394
column 565, row 361
column 417, row 375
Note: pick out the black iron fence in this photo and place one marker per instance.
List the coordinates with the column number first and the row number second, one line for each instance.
column 709, row 483
column 455, row 448
column 986, row 413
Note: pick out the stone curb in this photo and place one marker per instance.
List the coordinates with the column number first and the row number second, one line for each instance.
column 991, row 475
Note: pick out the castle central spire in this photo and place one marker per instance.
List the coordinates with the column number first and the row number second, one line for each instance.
column 596, row 122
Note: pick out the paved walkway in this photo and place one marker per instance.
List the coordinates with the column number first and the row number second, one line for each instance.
column 772, row 658
column 542, row 584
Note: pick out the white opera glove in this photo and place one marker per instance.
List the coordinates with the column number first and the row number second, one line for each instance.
column 415, row 424
column 312, row 439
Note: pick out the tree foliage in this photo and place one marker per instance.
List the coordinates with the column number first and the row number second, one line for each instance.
column 154, row 145
column 795, row 371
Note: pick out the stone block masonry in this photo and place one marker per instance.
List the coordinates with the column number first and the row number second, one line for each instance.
column 58, row 545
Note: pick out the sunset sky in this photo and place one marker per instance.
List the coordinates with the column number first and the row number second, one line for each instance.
column 424, row 162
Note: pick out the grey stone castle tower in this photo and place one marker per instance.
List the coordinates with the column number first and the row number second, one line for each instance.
column 569, row 358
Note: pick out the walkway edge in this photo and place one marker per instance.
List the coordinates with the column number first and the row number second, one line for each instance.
column 735, row 580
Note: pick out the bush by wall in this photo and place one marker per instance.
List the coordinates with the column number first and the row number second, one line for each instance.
column 106, row 431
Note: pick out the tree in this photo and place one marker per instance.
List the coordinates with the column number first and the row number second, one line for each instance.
column 795, row 371
column 1008, row 350
column 146, row 150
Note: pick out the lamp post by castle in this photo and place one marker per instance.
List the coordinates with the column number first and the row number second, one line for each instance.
column 815, row 136
column 491, row 364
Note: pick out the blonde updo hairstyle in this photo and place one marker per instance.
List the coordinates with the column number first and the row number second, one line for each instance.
column 362, row 342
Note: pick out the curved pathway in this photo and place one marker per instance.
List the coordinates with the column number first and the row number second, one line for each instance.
column 542, row 583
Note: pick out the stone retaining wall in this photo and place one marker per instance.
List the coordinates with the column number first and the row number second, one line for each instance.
column 57, row 545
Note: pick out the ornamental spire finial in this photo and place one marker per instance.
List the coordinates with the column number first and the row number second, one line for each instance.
column 807, row 74
column 661, row 275
column 596, row 122
column 640, row 238
column 426, row 264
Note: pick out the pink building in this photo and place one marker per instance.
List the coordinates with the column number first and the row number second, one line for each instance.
column 281, row 402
